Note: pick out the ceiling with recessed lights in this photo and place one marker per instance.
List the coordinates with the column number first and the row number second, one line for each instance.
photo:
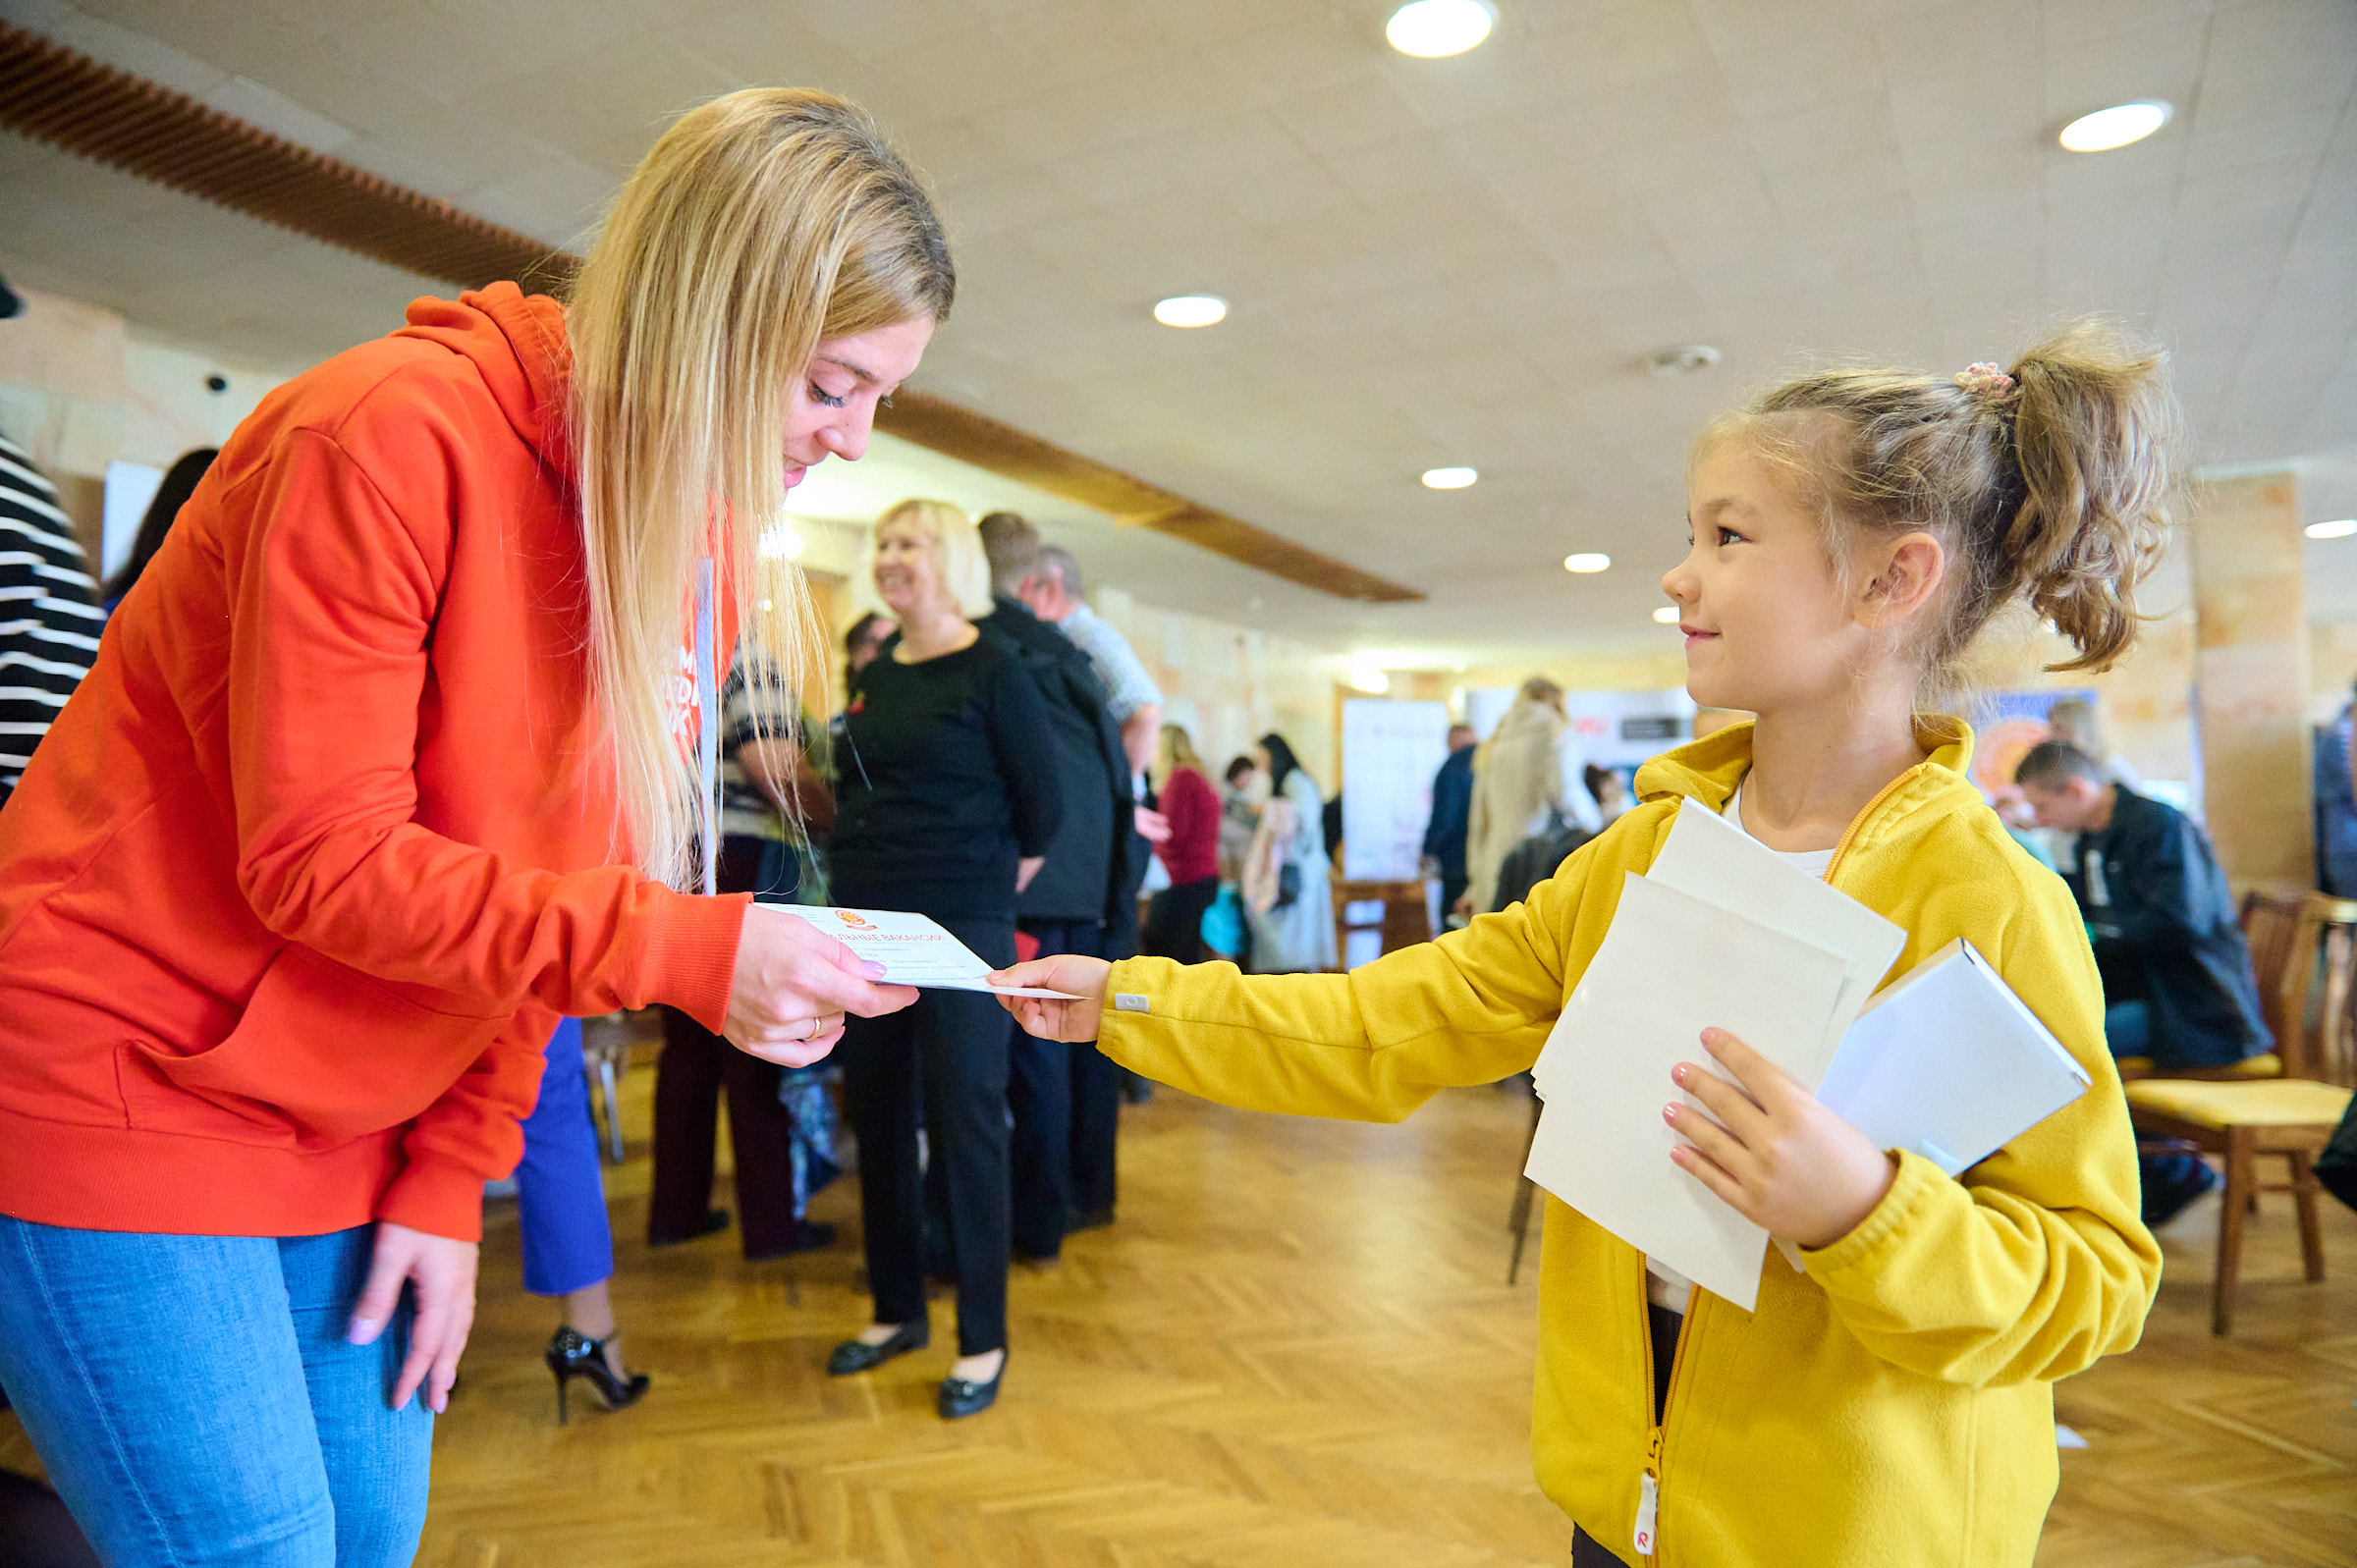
column 1426, row 263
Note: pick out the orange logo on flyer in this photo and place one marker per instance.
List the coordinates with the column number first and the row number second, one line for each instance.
column 853, row 921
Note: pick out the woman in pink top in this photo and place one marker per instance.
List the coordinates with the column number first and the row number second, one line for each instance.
column 1192, row 853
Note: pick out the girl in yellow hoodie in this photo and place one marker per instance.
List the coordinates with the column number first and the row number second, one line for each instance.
column 1852, row 533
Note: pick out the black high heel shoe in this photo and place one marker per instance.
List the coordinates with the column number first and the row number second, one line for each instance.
column 857, row 1355
column 960, row 1397
column 572, row 1354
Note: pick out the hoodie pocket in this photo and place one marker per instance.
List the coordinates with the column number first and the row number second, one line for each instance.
column 322, row 1054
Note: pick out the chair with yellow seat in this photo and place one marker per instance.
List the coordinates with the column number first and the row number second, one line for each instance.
column 2290, row 1115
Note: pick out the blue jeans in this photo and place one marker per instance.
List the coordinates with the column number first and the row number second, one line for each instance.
column 196, row 1401
column 559, row 1189
column 2128, row 1029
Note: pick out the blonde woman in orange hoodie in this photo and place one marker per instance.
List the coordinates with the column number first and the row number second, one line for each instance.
column 386, row 764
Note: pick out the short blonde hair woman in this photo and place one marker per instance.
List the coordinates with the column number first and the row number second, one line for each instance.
column 956, row 550
column 386, row 765
column 948, row 801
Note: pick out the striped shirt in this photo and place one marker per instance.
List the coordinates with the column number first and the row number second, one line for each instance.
column 745, row 808
column 1128, row 686
column 49, row 614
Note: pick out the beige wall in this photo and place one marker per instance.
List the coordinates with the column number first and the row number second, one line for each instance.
column 1230, row 684
column 2251, row 650
column 81, row 388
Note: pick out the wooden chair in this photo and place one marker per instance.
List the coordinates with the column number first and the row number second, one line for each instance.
column 2273, row 925
column 2290, row 1115
column 606, row 1051
column 1396, row 909
column 1527, row 1193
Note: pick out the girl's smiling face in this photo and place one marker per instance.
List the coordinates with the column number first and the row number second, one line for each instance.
column 1766, row 621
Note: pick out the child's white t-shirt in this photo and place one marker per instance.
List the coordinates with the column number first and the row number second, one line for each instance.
column 1666, row 1287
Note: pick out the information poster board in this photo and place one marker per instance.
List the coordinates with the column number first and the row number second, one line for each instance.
column 1389, row 752
column 1623, row 729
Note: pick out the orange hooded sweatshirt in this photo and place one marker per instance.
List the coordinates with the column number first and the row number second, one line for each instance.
column 299, row 884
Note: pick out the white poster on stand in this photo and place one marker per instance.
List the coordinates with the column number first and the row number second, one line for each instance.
column 1389, row 752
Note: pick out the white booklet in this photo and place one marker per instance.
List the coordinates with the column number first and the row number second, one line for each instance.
column 1671, row 966
column 1950, row 1063
column 913, row 950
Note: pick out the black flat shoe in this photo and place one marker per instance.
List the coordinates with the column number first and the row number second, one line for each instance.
column 808, row 1235
column 855, row 1355
column 714, row 1219
column 960, row 1398
column 572, row 1354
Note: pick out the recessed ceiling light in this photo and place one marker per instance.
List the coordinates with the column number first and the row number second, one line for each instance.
column 1667, row 615
column 2114, row 127
column 1431, row 29
column 1587, row 560
column 2340, row 528
column 1448, row 478
column 1191, row 310
column 1371, row 680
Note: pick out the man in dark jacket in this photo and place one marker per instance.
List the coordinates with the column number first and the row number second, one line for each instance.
column 2177, row 981
column 2177, row 984
column 1451, row 814
column 1066, row 1100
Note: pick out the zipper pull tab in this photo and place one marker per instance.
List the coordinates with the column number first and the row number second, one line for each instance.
column 1649, row 1492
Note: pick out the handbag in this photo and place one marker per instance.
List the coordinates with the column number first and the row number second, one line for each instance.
column 1289, row 887
column 1223, row 925
column 2336, row 1166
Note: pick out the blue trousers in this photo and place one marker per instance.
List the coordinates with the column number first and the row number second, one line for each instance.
column 196, row 1401
column 559, row 1189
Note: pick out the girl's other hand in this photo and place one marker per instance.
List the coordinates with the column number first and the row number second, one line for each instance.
column 793, row 986
column 1774, row 1153
column 1047, row 1017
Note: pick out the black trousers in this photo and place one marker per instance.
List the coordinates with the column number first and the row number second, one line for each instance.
column 943, row 1065
column 1175, row 921
column 695, row 1066
column 1067, row 1104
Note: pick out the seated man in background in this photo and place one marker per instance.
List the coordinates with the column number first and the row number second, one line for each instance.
column 2178, row 991
column 2177, row 983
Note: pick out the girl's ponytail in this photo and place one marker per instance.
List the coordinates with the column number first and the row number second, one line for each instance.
column 2048, row 484
column 2095, row 428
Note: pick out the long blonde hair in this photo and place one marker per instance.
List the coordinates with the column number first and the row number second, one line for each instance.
column 1175, row 751
column 760, row 225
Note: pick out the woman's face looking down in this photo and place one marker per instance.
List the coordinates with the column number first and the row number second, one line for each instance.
column 834, row 406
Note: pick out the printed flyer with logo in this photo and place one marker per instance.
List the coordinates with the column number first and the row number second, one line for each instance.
column 913, row 950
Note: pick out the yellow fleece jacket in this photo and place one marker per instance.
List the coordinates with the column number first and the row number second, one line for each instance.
column 1892, row 1404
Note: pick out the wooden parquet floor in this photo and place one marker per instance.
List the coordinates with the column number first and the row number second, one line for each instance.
column 1296, row 1349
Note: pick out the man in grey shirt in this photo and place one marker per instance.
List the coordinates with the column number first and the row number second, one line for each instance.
column 1052, row 594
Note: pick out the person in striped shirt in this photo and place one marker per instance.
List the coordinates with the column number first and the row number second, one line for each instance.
column 49, row 614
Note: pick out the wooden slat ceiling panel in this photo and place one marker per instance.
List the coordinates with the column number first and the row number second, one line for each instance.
column 55, row 96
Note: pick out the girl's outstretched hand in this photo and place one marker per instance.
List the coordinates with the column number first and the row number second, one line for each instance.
column 1774, row 1153
column 1047, row 1017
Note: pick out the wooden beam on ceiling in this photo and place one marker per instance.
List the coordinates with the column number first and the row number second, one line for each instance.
column 53, row 95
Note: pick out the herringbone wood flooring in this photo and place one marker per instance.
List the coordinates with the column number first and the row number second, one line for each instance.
column 1296, row 1349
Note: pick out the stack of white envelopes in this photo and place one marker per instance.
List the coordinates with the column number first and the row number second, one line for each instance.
column 1722, row 932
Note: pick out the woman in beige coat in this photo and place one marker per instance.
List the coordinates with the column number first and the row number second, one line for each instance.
column 1526, row 772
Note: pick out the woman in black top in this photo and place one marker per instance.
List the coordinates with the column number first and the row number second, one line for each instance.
column 947, row 799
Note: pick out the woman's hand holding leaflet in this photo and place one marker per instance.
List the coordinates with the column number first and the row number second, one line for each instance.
column 1774, row 1153
column 793, row 986
column 1047, row 1017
